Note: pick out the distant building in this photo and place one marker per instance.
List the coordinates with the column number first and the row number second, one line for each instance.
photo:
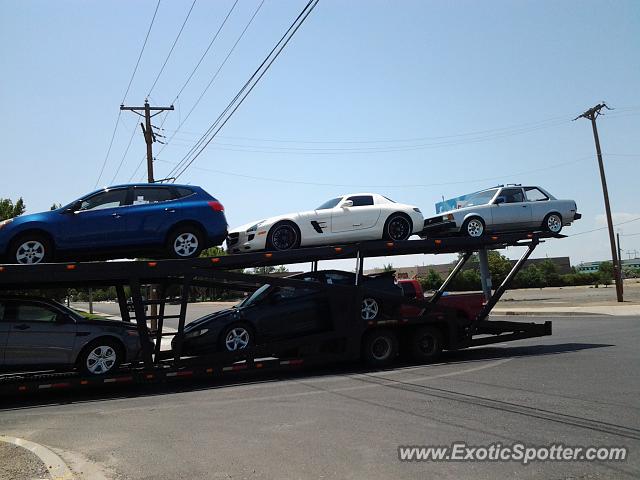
column 563, row 265
column 593, row 267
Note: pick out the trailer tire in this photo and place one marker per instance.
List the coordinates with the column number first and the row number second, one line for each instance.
column 425, row 344
column 379, row 347
column 101, row 356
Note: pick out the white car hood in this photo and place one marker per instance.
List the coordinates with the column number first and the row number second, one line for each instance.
column 264, row 223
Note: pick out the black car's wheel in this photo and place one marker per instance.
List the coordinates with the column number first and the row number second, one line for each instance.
column 370, row 309
column 473, row 227
column 237, row 336
column 283, row 236
column 397, row 227
column 552, row 223
column 30, row 249
column 100, row 357
column 425, row 344
column 379, row 347
column 185, row 242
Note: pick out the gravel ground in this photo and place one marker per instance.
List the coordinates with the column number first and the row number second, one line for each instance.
column 17, row 463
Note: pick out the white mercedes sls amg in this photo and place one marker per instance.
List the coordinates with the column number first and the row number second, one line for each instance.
column 347, row 219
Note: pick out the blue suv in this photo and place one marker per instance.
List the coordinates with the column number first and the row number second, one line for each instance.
column 126, row 220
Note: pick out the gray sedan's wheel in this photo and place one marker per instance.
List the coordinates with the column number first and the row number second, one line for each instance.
column 553, row 223
column 236, row 337
column 473, row 227
column 185, row 242
column 370, row 309
column 30, row 250
column 283, row 236
column 100, row 357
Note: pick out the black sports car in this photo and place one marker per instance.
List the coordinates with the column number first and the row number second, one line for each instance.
column 276, row 312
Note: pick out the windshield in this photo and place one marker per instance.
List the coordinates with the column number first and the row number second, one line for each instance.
column 329, row 204
column 254, row 297
column 480, row 198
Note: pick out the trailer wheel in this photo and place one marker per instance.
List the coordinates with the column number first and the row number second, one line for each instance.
column 425, row 344
column 100, row 357
column 236, row 336
column 379, row 347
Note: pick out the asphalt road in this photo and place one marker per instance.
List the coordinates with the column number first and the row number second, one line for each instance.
column 578, row 387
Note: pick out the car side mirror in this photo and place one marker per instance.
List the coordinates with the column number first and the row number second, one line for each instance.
column 72, row 209
column 499, row 200
column 347, row 204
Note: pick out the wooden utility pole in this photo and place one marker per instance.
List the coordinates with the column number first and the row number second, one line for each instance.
column 147, row 130
column 149, row 138
column 591, row 115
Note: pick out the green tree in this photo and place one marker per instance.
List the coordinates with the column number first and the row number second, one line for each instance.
column 269, row 269
column 550, row 274
column 213, row 252
column 499, row 265
column 387, row 268
column 10, row 210
column 606, row 273
column 432, row 281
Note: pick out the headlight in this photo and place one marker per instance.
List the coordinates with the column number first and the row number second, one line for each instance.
column 416, row 209
column 196, row 333
column 447, row 217
column 4, row 223
column 253, row 228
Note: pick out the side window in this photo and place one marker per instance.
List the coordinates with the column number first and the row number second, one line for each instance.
column 512, row 195
column 535, row 195
column 337, row 279
column 184, row 192
column 34, row 313
column 286, row 293
column 99, row 201
column 361, row 200
column 144, row 195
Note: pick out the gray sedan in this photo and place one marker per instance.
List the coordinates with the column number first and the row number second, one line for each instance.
column 501, row 209
column 36, row 333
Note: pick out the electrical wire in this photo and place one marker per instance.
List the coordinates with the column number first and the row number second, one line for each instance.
column 171, row 49
column 258, row 75
column 106, row 157
column 124, row 155
column 603, row 228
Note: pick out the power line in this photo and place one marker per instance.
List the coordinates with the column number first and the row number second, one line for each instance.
column 258, row 74
column 215, row 75
column 171, row 49
column 124, row 155
column 603, row 228
column 135, row 69
column 347, row 185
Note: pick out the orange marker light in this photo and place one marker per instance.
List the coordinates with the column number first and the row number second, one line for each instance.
column 437, row 242
column 495, row 237
column 152, row 264
column 390, row 244
column 71, row 267
column 1, row 269
column 268, row 255
column 338, row 249
column 215, row 260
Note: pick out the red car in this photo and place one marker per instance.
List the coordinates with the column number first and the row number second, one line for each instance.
column 468, row 305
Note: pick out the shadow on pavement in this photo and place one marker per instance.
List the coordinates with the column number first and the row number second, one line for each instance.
column 460, row 357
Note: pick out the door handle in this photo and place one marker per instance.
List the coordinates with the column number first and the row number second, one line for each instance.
column 357, row 225
column 170, row 210
column 22, row 327
column 116, row 215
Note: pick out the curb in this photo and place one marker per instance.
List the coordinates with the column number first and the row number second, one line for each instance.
column 55, row 466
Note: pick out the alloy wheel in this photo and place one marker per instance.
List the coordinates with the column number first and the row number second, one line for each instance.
column 554, row 224
column 399, row 228
column 475, row 228
column 369, row 309
column 101, row 359
column 284, row 237
column 237, row 339
column 185, row 244
column 30, row 252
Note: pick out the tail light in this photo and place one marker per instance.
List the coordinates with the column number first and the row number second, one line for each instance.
column 216, row 206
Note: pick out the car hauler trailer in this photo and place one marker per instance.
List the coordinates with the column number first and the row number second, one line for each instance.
column 347, row 337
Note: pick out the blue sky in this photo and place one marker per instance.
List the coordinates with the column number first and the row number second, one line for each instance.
column 414, row 99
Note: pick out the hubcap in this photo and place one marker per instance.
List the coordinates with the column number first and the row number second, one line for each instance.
column 554, row 224
column 475, row 228
column 30, row 252
column 369, row 309
column 399, row 229
column 101, row 359
column 284, row 237
column 237, row 339
column 381, row 348
column 185, row 244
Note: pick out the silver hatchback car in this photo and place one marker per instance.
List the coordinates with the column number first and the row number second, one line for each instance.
column 36, row 333
column 501, row 209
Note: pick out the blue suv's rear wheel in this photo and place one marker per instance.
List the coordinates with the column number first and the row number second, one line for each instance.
column 185, row 242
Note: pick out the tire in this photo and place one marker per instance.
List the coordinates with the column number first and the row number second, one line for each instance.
column 283, row 236
column 185, row 242
column 425, row 344
column 552, row 223
column 31, row 249
column 236, row 336
column 379, row 347
column 398, row 227
column 370, row 309
column 100, row 357
column 473, row 227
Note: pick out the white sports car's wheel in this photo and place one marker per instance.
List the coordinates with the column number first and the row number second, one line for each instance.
column 283, row 236
column 553, row 223
column 398, row 227
column 473, row 227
